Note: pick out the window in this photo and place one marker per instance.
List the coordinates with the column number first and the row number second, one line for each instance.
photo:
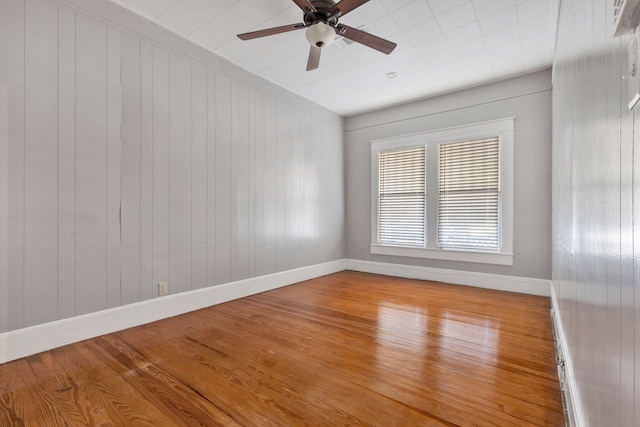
column 468, row 194
column 402, row 198
column 445, row 194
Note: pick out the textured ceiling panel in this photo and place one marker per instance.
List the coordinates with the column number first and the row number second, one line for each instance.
column 442, row 45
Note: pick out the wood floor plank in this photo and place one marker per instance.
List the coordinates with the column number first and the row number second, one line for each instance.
column 332, row 393
column 174, row 399
column 57, row 388
column 242, row 379
column 404, row 346
column 16, row 399
column 452, row 385
column 104, row 397
column 345, row 349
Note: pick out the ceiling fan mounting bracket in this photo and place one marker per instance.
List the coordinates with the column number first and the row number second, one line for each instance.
column 321, row 13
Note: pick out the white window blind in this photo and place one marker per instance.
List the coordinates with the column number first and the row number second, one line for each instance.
column 468, row 195
column 402, row 198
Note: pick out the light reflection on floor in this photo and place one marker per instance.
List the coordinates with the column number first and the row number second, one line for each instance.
column 431, row 336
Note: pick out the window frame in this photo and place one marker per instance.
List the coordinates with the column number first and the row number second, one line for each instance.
column 504, row 129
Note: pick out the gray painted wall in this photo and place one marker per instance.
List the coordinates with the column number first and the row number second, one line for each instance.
column 596, row 184
column 130, row 156
column 528, row 98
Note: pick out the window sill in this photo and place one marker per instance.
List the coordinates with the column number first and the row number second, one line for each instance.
column 444, row 254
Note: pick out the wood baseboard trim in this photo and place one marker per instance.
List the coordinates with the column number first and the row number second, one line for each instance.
column 35, row 339
column 573, row 407
column 498, row 282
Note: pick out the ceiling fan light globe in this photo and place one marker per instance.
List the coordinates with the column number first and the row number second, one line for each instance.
column 320, row 34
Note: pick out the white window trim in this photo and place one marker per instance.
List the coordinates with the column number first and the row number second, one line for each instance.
column 505, row 130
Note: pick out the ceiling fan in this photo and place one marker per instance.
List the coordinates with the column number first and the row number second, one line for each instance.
column 321, row 21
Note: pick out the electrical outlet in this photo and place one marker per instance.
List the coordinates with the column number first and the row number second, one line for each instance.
column 163, row 288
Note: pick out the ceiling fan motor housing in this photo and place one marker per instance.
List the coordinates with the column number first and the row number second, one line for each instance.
column 321, row 13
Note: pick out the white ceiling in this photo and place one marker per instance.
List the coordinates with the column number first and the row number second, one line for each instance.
column 443, row 45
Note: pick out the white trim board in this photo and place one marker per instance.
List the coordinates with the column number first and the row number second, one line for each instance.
column 35, row 339
column 573, row 406
column 498, row 282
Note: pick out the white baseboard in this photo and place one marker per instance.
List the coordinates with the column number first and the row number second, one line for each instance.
column 573, row 408
column 499, row 282
column 35, row 339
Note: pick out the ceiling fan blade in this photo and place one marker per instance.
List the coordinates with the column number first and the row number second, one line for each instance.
column 314, row 58
column 305, row 5
column 374, row 42
column 270, row 31
column 345, row 6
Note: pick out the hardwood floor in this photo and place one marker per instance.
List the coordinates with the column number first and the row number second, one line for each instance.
column 345, row 349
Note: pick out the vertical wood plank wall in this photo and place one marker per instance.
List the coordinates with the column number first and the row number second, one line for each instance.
column 126, row 163
column 596, row 173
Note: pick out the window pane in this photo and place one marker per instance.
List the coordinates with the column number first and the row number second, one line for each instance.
column 401, row 187
column 468, row 195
